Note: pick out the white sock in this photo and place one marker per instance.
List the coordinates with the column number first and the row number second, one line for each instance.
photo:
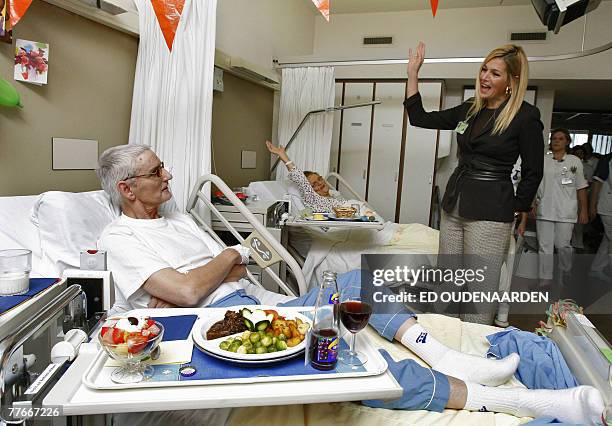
column 469, row 368
column 579, row 405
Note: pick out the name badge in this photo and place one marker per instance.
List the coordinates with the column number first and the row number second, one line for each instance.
column 461, row 127
column 567, row 181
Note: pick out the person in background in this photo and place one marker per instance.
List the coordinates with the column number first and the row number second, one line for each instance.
column 601, row 203
column 561, row 201
column 493, row 130
column 314, row 190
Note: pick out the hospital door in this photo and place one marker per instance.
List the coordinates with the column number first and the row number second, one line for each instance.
column 390, row 163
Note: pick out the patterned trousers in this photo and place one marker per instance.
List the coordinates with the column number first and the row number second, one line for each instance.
column 472, row 245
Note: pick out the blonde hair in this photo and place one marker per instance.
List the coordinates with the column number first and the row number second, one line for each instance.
column 517, row 68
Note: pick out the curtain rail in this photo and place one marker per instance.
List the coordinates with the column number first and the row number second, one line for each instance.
column 456, row 60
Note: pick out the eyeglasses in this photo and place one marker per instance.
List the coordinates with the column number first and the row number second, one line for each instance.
column 158, row 172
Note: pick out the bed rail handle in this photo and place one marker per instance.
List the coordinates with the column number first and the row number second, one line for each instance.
column 197, row 194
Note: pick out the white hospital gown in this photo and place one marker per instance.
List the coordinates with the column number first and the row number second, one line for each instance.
column 316, row 202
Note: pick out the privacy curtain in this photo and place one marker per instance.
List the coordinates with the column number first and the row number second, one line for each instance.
column 304, row 90
column 172, row 102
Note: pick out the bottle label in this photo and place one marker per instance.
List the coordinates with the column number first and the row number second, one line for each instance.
column 334, row 299
column 327, row 350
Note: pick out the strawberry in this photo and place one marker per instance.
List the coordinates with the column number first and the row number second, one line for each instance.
column 154, row 330
column 150, row 323
column 104, row 330
column 136, row 343
column 118, row 336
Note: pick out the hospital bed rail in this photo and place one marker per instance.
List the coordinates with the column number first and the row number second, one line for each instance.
column 198, row 195
column 13, row 342
column 343, row 181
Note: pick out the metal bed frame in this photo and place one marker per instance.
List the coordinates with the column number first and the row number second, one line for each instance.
column 272, row 245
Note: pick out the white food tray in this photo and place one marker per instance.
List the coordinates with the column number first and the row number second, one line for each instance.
column 97, row 376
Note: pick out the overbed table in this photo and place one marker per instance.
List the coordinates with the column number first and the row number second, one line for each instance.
column 76, row 399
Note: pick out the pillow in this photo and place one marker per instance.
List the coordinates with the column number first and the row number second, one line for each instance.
column 69, row 223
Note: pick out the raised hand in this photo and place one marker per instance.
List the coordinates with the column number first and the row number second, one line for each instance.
column 415, row 59
column 277, row 150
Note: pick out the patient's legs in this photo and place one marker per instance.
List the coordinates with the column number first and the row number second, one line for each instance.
column 425, row 389
column 395, row 321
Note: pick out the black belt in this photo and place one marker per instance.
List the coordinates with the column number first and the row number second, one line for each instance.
column 485, row 175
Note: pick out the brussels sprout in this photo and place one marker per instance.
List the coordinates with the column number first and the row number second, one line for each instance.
column 242, row 350
column 224, row 345
column 254, row 337
column 257, row 344
column 247, row 344
column 266, row 341
column 251, row 351
column 282, row 337
column 281, row 345
column 261, row 350
column 271, row 349
column 274, row 340
column 234, row 347
column 245, row 335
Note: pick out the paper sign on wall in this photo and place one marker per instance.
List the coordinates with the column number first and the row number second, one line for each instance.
column 74, row 154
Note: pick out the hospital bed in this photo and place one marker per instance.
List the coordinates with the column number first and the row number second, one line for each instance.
column 56, row 226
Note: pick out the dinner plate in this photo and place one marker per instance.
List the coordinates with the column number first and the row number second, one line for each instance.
column 353, row 219
column 212, row 348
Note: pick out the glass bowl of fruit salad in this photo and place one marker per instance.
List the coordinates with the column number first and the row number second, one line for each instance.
column 129, row 341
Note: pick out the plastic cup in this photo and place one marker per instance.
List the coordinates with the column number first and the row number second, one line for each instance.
column 15, row 267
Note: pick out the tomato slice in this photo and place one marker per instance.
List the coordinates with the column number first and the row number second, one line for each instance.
column 104, row 330
column 273, row 312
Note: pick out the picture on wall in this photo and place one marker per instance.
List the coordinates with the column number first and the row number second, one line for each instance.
column 31, row 61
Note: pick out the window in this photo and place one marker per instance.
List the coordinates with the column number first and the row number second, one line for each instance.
column 602, row 144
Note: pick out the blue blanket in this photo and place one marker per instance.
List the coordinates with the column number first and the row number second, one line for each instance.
column 542, row 365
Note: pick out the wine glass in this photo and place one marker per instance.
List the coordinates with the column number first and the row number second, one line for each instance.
column 354, row 315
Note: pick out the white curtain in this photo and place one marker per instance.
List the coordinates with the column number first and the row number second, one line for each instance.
column 172, row 102
column 303, row 90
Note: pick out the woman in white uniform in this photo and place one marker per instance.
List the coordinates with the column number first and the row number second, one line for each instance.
column 560, row 202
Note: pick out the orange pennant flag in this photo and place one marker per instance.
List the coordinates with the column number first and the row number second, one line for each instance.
column 323, row 7
column 434, row 6
column 17, row 8
column 168, row 14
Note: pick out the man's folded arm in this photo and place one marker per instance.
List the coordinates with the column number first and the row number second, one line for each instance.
column 188, row 290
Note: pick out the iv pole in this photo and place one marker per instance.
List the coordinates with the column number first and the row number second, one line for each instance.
column 318, row 111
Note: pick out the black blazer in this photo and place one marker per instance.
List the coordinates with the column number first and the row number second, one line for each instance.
column 492, row 200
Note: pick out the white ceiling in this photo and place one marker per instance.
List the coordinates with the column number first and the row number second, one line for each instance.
column 368, row 6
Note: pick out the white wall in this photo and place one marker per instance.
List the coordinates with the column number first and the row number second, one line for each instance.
column 260, row 30
column 462, row 32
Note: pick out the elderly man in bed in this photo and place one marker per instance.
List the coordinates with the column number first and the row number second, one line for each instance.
column 167, row 260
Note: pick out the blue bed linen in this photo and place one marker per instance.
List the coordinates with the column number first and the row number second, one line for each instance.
column 542, row 365
column 36, row 286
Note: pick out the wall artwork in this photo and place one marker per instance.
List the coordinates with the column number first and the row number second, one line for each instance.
column 31, row 61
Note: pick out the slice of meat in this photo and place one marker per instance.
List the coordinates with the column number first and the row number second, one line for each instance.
column 232, row 323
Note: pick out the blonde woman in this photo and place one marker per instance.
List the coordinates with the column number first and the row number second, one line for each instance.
column 493, row 130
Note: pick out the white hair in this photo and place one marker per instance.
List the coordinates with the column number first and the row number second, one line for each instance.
column 116, row 164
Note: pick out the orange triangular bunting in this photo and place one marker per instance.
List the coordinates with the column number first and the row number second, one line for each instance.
column 323, row 7
column 168, row 14
column 434, row 6
column 17, row 8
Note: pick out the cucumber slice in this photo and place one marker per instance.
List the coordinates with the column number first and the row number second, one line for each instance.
column 245, row 311
column 249, row 324
column 262, row 325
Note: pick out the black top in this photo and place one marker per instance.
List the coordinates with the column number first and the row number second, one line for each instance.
column 602, row 172
column 481, row 180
